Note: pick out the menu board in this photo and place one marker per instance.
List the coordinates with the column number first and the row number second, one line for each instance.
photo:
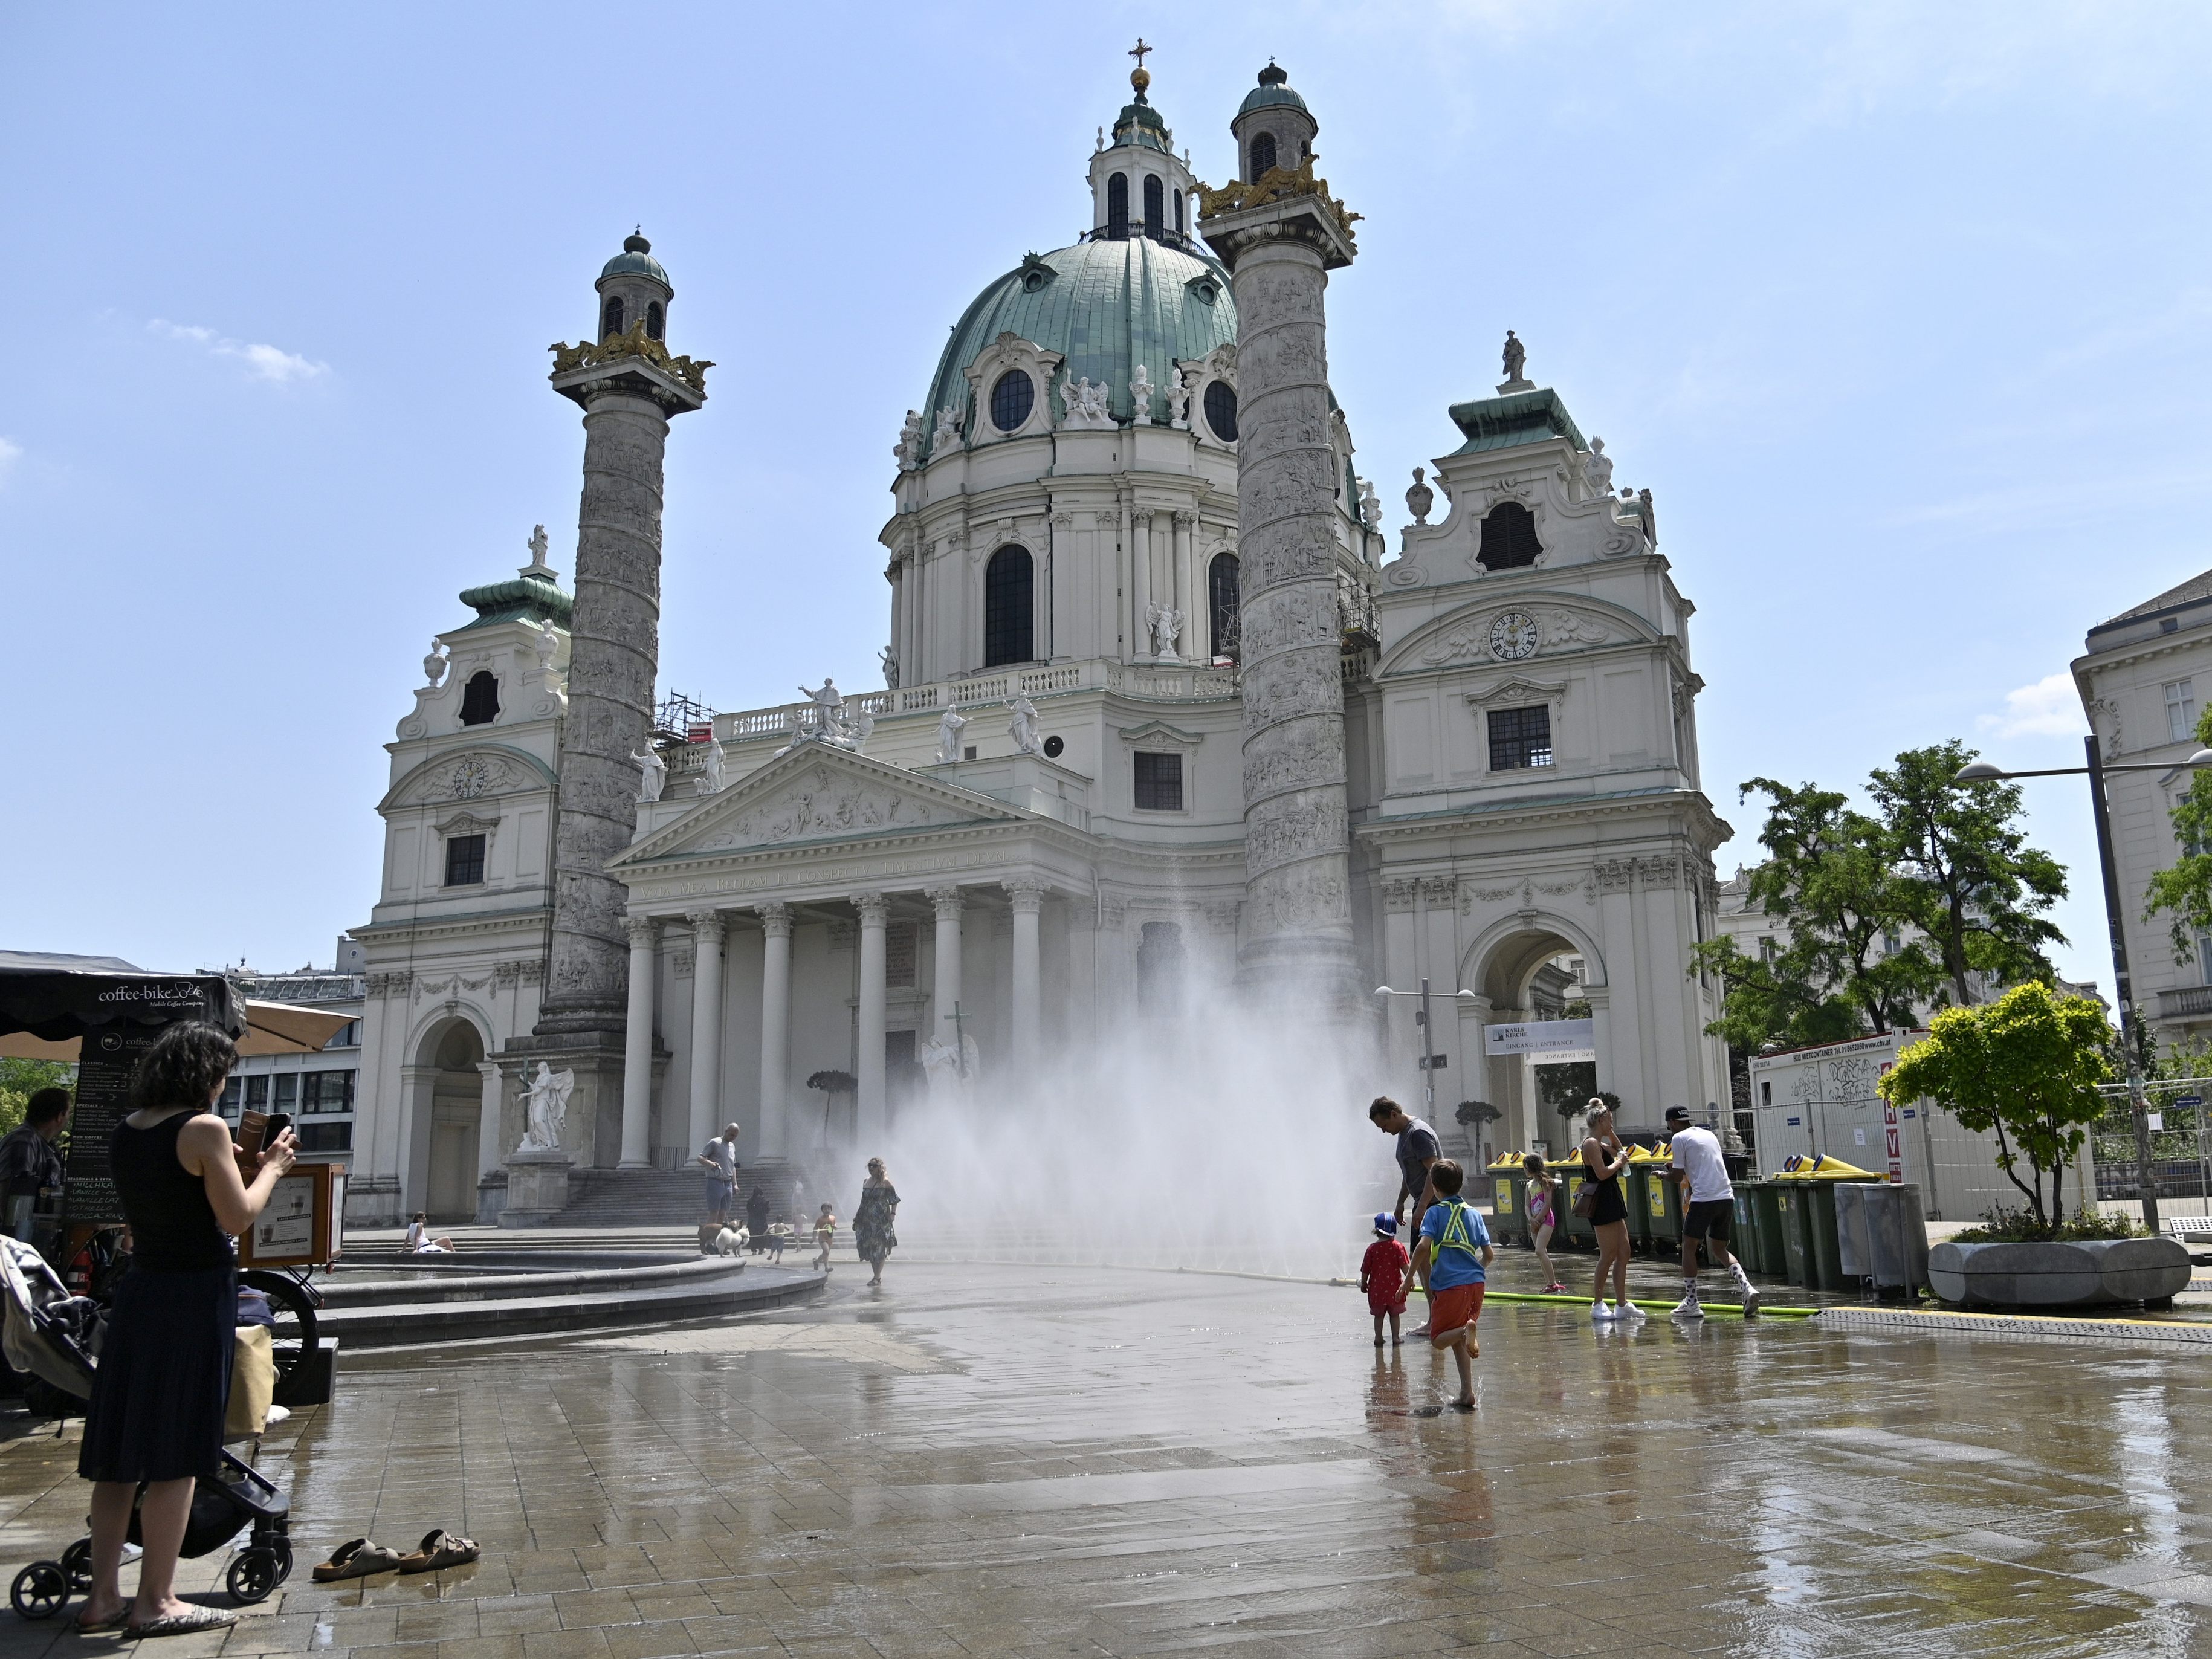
column 103, row 1100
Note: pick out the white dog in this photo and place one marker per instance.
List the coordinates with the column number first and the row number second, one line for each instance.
column 731, row 1240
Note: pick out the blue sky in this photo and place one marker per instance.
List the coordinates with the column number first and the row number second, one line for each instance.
column 1901, row 311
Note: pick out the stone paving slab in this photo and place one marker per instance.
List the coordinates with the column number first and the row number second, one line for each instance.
column 1029, row 1461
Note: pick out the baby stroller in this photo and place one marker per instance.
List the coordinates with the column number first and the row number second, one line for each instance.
column 53, row 1339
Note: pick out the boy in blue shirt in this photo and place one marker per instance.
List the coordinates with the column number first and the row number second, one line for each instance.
column 1454, row 1250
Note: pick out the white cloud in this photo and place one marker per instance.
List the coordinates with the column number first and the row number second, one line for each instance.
column 263, row 362
column 2051, row 707
column 10, row 452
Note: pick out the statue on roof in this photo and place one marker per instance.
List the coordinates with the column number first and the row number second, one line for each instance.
column 435, row 664
column 908, row 450
column 653, row 773
column 1140, row 397
column 710, row 768
column 946, row 438
column 829, row 705
column 1516, row 356
column 1421, row 498
column 948, row 728
column 1022, row 729
column 1371, row 509
column 1597, row 469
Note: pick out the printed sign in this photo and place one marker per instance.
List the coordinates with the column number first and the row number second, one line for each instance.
column 1504, row 1202
column 1555, row 1042
column 1655, row 1188
column 1892, row 1146
column 286, row 1227
column 2188, row 1103
column 2154, row 1121
column 108, row 1056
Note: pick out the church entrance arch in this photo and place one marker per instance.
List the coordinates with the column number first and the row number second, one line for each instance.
column 446, row 1123
column 1528, row 968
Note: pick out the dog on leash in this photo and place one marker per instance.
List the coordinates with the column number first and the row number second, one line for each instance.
column 732, row 1239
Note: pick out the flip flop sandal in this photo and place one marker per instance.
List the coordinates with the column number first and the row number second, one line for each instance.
column 441, row 1548
column 113, row 1621
column 357, row 1558
column 182, row 1623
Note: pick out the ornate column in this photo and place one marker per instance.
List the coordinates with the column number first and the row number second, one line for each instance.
column 775, row 1027
column 947, row 902
column 1028, row 1048
column 871, row 1106
column 1298, row 948
column 637, row 1046
column 1189, row 648
column 706, row 931
column 1140, row 580
column 490, row 1153
column 894, row 574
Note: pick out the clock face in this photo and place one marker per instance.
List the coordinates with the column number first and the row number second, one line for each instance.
column 1513, row 636
column 473, row 777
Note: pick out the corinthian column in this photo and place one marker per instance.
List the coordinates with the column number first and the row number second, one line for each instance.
column 775, row 1027
column 947, row 902
column 874, row 1117
column 707, row 930
column 1027, row 1046
column 637, row 1046
column 1140, row 580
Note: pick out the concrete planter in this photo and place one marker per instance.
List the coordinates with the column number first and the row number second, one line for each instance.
column 2093, row 1272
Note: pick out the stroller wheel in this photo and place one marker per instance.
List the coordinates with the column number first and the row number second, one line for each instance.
column 253, row 1576
column 76, row 1562
column 282, row 1550
column 41, row 1589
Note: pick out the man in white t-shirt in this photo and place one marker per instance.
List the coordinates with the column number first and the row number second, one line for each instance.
column 1707, row 1206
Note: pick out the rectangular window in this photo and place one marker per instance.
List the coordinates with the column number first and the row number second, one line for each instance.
column 257, row 1093
column 231, row 1092
column 287, row 1091
column 1766, row 950
column 1160, row 783
column 465, row 860
column 1520, row 737
column 347, row 1035
column 326, row 1091
column 2180, row 710
column 2204, row 957
column 326, row 1137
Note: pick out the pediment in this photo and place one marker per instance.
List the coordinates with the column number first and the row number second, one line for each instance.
column 1564, row 623
column 815, row 794
column 470, row 774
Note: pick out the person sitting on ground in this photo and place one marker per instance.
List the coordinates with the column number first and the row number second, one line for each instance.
column 1456, row 1250
column 30, row 1168
column 1382, row 1276
column 419, row 1239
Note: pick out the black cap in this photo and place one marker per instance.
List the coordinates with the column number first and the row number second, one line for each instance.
column 1678, row 1114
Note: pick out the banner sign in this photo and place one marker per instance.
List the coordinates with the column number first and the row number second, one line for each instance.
column 1551, row 1041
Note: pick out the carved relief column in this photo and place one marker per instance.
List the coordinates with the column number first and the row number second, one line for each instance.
column 775, row 1028
column 1140, row 580
column 947, row 902
column 637, row 1046
column 707, row 930
column 871, row 1111
column 1028, row 897
column 494, row 1098
column 1184, row 524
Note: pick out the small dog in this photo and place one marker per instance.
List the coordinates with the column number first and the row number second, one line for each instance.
column 732, row 1239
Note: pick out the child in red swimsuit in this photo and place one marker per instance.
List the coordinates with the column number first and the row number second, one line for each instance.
column 1382, row 1276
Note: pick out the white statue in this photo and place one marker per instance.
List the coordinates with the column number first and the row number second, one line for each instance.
column 946, row 438
column 545, row 645
column 1180, row 386
column 948, row 736
column 1167, row 628
column 654, row 772
column 1140, row 397
column 1371, row 509
column 950, row 1071
column 1023, row 727
column 889, row 658
column 537, row 549
column 858, row 729
column 1421, row 498
column 1597, row 469
column 710, row 768
column 908, row 450
column 435, row 664
column 1086, row 405
column 829, row 705
column 546, row 1100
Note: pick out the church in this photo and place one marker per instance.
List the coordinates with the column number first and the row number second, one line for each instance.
column 1166, row 720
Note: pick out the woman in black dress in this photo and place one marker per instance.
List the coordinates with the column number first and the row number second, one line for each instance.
column 163, row 1379
column 871, row 1221
column 1604, row 1157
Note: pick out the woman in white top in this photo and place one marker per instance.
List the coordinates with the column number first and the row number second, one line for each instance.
column 419, row 1239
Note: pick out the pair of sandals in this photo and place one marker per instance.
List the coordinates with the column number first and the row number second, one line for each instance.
column 359, row 1558
column 176, row 1624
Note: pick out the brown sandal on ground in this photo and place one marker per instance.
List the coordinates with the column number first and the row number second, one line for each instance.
column 358, row 1557
column 439, row 1549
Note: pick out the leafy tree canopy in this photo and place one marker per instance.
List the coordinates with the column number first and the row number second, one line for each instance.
column 2184, row 891
column 21, row 1078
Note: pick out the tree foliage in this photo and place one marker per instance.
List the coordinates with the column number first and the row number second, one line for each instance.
column 21, row 1078
column 2185, row 890
column 2026, row 1067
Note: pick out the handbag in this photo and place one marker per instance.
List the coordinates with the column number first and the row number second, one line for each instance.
column 1586, row 1200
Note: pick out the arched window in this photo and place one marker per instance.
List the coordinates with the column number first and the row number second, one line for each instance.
column 1178, row 207
column 1222, row 602
column 1117, row 207
column 1509, row 537
column 1009, row 607
column 1263, row 157
column 480, row 699
column 1156, row 217
column 655, row 322
column 1011, row 399
column 1221, row 410
column 610, row 320
column 1159, row 969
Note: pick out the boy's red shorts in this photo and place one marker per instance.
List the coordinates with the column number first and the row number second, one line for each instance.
column 1450, row 1310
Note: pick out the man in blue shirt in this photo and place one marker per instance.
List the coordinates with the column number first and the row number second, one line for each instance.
column 1455, row 1252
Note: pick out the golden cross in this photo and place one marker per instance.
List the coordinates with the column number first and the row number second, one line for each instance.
column 1138, row 50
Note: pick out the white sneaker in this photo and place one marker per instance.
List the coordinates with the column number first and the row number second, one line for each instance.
column 1690, row 1307
column 1600, row 1313
column 1750, row 1298
column 1629, row 1310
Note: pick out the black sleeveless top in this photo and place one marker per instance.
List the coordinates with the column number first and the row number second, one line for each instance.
column 172, row 1225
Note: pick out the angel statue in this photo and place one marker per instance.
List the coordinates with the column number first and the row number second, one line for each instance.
column 1167, row 628
column 950, row 1070
column 710, row 768
column 546, row 1100
column 948, row 736
column 946, row 438
column 907, row 452
column 653, row 773
column 1024, row 727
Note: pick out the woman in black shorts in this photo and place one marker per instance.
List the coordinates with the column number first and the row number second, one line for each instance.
column 1604, row 1156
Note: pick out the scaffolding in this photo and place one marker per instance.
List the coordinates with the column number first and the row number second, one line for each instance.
column 680, row 718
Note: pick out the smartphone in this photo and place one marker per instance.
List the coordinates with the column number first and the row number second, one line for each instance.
column 275, row 1126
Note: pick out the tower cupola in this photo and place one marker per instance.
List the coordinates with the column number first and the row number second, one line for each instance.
column 1273, row 128
column 1139, row 186
column 634, row 289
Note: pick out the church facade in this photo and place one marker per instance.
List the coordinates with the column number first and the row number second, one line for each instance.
column 1036, row 835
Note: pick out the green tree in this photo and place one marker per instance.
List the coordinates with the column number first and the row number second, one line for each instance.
column 2027, row 1066
column 2185, row 890
column 1973, row 884
column 21, row 1078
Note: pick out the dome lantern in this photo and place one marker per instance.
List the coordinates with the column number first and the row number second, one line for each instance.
column 1138, row 185
column 634, row 287
column 1272, row 127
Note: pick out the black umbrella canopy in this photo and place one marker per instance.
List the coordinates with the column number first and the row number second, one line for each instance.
column 59, row 997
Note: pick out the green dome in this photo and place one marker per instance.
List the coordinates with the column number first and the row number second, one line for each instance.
column 533, row 596
column 1105, row 306
column 1275, row 88
column 636, row 260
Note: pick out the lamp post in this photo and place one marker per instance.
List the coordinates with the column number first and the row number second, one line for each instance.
column 2130, row 1022
column 1428, row 1038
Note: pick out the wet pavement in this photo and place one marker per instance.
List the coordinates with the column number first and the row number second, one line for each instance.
column 1071, row 1461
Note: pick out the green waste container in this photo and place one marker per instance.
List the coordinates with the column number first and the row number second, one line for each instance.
column 1573, row 1229
column 1825, row 1255
column 1767, row 1222
column 1509, row 1219
column 1634, row 1194
column 1743, row 1231
column 1796, row 1240
column 1664, row 1193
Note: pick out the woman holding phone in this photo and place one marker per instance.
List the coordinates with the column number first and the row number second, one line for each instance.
column 1604, row 1157
column 163, row 1379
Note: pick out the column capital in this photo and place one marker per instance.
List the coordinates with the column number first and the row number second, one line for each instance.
column 488, row 1070
column 1186, row 517
column 946, row 901
column 708, row 926
column 874, row 908
column 775, row 919
column 1027, row 894
column 644, row 932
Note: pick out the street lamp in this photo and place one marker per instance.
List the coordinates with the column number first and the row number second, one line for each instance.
column 1428, row 1038
column 1983, row 772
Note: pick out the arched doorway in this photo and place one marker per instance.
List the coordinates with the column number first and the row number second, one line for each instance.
column 449, row 1112
column 1527, row 970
